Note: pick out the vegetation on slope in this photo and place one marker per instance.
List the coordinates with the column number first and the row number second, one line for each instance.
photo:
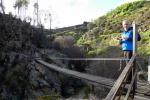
column 104, row 30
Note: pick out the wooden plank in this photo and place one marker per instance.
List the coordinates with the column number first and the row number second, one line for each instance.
column 97, row 79
column 143, row 88
column 111, row 95
column 130, row 87
column 136, row 97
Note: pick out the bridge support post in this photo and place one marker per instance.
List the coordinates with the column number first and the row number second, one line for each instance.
column 134, row 52
column 134, row 38
column 149, row 70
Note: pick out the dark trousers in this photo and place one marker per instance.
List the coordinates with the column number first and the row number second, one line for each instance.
column 128, row 55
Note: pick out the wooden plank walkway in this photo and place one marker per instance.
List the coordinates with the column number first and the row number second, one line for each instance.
column 137, row 97
column 95, row 79
column 120, row 81
column 142, row 91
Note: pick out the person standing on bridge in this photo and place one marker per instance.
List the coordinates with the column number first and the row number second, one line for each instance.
column 126, row 41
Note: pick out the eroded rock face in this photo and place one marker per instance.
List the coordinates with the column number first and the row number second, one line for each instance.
column 20, row 76
column 23, row 78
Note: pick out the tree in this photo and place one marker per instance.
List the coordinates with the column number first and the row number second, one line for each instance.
column 2, row 7
column 48, row 17
column 50, row 20
column 36, row 11
column 21, row 5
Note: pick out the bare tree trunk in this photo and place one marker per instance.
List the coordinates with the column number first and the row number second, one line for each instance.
column 25, row 12
column 37, row 12
column 50, row 20
column 2, row 7
column 18, row 12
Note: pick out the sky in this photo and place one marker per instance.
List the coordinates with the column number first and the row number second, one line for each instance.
column 68, row 12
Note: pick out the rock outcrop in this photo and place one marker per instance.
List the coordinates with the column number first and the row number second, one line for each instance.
column 21, row 77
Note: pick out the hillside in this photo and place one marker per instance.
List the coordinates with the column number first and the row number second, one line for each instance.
column 76, row 31
column 21, row 77
column 103, row 31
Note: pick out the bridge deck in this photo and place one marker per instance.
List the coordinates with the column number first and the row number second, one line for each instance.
column 142, row 91
column 137, row 97
column 96, row 79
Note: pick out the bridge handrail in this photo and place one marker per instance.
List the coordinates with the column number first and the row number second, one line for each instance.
column 58, row 58
column 66, row 58
column 114, row 90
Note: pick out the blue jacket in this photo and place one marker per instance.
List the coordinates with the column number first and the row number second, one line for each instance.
column 127, row 45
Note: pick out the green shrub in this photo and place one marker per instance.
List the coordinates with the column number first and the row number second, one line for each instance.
column 144, row 44
column 91, row 53
column 71, row 33
column 49, row 97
